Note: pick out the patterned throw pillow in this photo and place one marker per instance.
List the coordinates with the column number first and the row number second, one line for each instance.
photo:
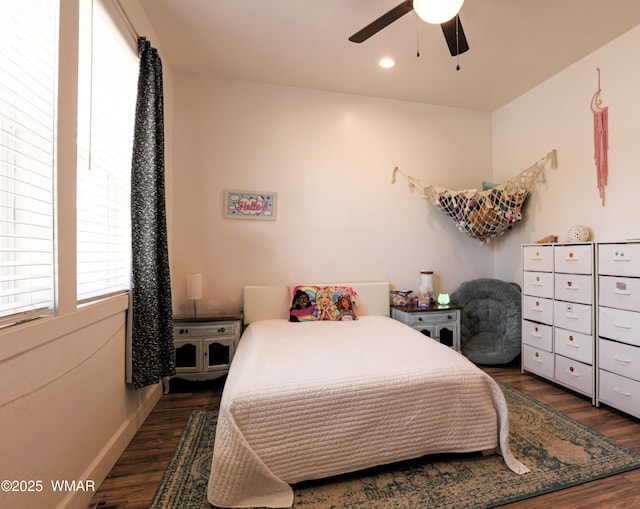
column 334, row 303
column 343, row 304
column 303, row 303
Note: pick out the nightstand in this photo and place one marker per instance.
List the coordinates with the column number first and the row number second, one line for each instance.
column 441, row 323
column 204, row 346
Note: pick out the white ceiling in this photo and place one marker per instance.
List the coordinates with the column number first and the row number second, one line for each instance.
column 514, row 45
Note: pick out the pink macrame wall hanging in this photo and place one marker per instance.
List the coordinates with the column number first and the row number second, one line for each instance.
column 600, row 138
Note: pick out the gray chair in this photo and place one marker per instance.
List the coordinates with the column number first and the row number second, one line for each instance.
column 491, row 320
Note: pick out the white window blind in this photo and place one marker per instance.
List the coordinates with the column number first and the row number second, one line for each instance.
column 28, row 67
column 108, row 80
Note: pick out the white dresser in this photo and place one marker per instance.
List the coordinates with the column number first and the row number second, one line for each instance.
column 619, row 325
column 558, row 318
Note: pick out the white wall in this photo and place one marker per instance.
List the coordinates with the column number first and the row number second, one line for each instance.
column 66, row 412
column 330, row 158
column 557, row 114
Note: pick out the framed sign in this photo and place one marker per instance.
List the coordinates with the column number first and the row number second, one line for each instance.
column 250, row 205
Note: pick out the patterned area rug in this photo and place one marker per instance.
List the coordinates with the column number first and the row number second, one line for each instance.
column 559, row 451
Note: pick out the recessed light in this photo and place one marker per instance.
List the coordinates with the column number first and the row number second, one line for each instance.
column 387, row 62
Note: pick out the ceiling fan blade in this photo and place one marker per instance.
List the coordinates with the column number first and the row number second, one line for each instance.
column 383, row 21
column 454, row 35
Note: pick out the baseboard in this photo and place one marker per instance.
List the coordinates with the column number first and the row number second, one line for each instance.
column 111, row 452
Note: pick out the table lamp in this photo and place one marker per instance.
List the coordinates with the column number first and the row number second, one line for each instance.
column 194, row 289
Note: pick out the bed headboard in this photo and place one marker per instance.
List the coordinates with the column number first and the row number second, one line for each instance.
column 267, row 302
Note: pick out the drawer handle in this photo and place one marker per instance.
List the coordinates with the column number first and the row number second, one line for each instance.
column 573, row 317
column 537, row 310
column 573, row 373
column 627, row 394
column 625, row 361
column 221, row 330
column 574, row 288
column 622, row 259
column 536, row 335
column 573, row 345
column 621, row 325
column 571, row 259
column 620, row 292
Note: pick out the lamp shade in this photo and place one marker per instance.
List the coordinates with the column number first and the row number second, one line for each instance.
column 437, row 11
column 194, row 286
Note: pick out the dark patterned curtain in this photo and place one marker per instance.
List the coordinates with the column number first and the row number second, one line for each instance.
column 150, row 320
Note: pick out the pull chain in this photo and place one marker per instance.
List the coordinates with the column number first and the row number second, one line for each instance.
column 417, row 37
column 457, row 42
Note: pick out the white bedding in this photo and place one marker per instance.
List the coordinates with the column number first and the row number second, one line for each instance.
column 311, row 400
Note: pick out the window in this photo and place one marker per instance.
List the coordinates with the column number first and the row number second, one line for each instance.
column 107, row 88
column 107, row 82
column 28, row 60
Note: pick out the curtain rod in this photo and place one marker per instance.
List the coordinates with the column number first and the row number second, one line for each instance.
column 127, row 21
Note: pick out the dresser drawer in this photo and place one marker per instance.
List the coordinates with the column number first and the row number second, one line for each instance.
column 537, row 309
column 619, row 292
column 619, row 324
column 574, row 288
column 575, row 259
column 619, row 259
column 206, row 330
column 574, row 345
column 537, row 258
column 572, row 316
column 619, row 358
column 537, row 335
column 574, row 374
column 434, row 317
column 620, row 392
column 538, row 284
column 537, row 361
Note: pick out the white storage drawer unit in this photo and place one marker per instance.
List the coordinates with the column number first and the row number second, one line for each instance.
column 537, row 309
column 619, row 358
column 558, row 314
column 574, row 288
column 619, row 325
column 619, row 292
column 538, row 335
column 538, row 284
column 620, row 392
column 573, row 259
column 573, row 345
column 537, row 258
column 573, row 316
column 619, row 259
column 574, row 374
column 537, row 361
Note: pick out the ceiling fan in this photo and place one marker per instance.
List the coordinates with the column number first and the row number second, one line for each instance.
column 452, row 28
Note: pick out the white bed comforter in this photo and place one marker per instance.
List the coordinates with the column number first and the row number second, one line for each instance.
column 311, row 400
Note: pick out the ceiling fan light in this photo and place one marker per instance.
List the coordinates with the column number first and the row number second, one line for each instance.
column 437, row 11
column 387, row 62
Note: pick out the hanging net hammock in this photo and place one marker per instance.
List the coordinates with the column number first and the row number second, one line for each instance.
column 487, row 213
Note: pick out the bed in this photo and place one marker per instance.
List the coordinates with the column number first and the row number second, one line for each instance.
column 312, row 400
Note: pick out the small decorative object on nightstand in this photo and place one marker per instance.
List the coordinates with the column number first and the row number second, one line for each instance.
column 204, row 346
column 441, row 323
column 443, row 299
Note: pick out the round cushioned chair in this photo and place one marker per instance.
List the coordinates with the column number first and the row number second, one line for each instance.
column 491, row 324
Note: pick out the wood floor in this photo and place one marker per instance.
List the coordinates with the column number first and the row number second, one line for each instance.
column 133, row 480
